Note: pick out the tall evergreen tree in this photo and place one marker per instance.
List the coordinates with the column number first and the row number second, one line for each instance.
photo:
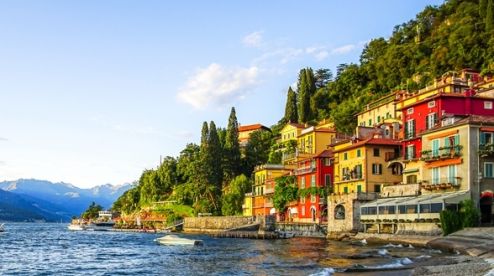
column 303, row 88
column 213, row 164
column 232, row 148
column 291, row 114
column 482, row 8
column 489, row 18
column 204, row 134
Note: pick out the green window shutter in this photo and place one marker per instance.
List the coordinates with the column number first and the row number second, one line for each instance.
column 482, row 138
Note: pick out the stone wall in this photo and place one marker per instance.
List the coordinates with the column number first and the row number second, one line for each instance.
column 351, row 204
column 400, row 190
column 302, row 229
column 215, row 224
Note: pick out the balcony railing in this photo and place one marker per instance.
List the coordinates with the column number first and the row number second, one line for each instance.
column 269, row 191
column 441, row 153
column 486, row 150
column 305, row 170
column 441, row 183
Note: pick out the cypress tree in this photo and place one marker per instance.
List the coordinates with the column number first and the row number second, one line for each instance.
column 482, row 8
column 204, row 134
column 232, row 148
column 214, row 157
column 489, row 18
column 303, row 88
column 291, row 114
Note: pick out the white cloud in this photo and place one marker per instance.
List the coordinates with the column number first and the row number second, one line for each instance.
column 253, row 39
column 343, row 49
column 218, row 85
column 3, row 139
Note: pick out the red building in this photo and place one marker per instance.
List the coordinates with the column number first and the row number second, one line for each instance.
column 314, row 175
column 435, row 111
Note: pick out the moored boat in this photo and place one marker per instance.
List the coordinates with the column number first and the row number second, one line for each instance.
column 176, row 240
column 76, row 227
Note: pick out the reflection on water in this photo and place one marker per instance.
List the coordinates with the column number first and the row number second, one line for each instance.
column 28, row 248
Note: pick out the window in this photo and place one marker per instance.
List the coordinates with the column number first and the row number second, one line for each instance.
column 303, row 210
column 486, row 138
column 359, row 188
column 327, row 162
column 358, row 172
column 358, row 153
column 302, row 200
column 313, row 181
column 378, row 119
column 412, row 179
column 345, row 156
column 435, row 147
column 327, row 180
column 436, row 207
column 410, row 111
column 452, row 175
column 313, row 198
column 431, row 120
column 377, row 188
column 431, row 104
column 489, row 170
column 386, row 210
column 302, row 182
column 376, row 152
column 410, row 153
column 339, row 212
column 435, row 175
column 377, row 168
column 487, row 105
column 370, row 122
column 410, row 129
column 345, row 190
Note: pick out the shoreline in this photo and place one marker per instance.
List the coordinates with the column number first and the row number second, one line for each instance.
column 474, row 248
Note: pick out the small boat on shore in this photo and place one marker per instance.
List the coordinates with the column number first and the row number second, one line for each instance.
column 176, row 240
column 76, row 227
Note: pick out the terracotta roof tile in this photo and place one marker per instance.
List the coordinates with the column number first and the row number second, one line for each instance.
column 251, row 127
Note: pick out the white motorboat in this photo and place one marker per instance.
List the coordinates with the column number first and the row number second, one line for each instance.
column 176, row 240
column 2, row 229
column 76, row 227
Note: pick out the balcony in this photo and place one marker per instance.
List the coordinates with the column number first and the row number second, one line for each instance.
column 441, row 183
column 442, row 153
column 269, row 191
column 305, row 170
column 486, row 150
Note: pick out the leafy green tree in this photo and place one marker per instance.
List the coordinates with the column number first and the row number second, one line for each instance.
column 489, row 17
column 92, row 211
column 291, row 114
column 257, row 150
column 232, row 148
column 322, row 77
column 285, row 191
column 233, row 199
column 483, row 8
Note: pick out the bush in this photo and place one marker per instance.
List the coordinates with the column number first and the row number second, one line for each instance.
column 467, row 216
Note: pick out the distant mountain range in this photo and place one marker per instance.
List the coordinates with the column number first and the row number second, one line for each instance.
column 32, row 199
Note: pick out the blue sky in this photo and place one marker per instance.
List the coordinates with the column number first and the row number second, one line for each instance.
column 93, row 92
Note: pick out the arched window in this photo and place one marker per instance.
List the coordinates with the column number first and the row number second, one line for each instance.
column 339, row 212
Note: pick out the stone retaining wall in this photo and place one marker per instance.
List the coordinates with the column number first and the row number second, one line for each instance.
column 214, row 224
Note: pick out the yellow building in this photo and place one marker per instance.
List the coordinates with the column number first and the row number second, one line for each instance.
column 381, row 111
column 263, row 188
column 244, row 132
column 247, row 206
column 361, row 166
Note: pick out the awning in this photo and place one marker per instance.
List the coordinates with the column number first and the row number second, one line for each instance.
column 411, row 170
column 451, row 197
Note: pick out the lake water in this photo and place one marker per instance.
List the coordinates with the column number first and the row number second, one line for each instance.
column 47, row 249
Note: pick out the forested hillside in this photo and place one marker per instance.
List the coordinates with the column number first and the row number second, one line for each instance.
column 213, row 176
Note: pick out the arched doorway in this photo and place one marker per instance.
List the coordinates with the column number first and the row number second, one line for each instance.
column 313, row 214
column 486, row 207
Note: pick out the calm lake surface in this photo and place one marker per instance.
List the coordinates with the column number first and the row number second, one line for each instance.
column 47, row 249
